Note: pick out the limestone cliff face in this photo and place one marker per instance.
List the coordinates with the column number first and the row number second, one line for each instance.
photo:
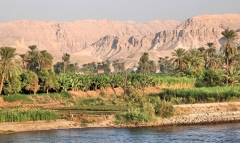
column 193, row 33
column 74, row 36
column 127, row 40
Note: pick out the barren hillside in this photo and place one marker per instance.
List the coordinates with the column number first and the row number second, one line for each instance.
column 97, row 40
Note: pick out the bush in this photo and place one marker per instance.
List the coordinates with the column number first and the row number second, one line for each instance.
column 134, row 95
column 164, row 109
column 210, row 78
column 211, row 99
column 191, row 100
column 149, row 109
column 102, row 94
column 177, row 100
column 134, row 117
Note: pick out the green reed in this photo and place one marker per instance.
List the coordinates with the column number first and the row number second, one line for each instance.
column 204, row 94
column 21, row 115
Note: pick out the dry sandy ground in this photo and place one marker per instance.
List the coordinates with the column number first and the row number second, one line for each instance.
column 108, row 122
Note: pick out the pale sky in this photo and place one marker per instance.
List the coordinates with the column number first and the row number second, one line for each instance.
column 134, row 10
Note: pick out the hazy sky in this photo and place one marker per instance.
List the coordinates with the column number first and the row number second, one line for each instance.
column 134, row 10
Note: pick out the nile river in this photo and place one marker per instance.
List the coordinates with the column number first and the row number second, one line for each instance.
column 205, row 133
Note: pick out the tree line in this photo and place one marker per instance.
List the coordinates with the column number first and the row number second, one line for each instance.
column 206, row 63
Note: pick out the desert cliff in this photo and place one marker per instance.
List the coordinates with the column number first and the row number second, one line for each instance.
column 97, row 40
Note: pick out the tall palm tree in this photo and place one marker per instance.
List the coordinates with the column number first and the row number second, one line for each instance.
column 211, row 49
column 195, row 59
column 179, row 58
column 161, row 62
column 25, row 61
column 143, row 63
column 7, row 55
column 233, row 75
column 201, row 49
column 45, row 60
column 229, row 50
column 214, row 62
column 66, row 60
column 34, row 55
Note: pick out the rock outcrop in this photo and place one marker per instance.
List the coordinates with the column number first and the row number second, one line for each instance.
column 111, row 40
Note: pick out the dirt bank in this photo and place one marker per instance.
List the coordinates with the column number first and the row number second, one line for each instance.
column 184, row 114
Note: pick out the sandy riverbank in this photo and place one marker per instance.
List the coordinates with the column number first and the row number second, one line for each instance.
column 188, row 114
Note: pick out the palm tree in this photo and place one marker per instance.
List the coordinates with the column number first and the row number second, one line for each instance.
column 33, row 55
column 233, row 75
column 45, row 60
column 195, row 59
column 179, row 58
column 161, row 62
column 143, row 63
column 7, row 55
column 25, row 61
column 214, row 62
column 201, row 49
column 66, row 60
column 229, row 50
column 211, row 49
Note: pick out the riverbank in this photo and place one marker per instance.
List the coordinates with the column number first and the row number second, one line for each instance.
column 188, row 114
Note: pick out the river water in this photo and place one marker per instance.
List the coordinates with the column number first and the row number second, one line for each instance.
column 200, row 133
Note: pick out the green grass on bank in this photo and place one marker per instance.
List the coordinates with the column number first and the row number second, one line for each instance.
column 17, row 97
column 200, row 95
column 173, row 82
column 21, row 115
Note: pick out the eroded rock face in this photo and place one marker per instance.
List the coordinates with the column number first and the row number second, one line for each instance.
column 108, row 39
column 78, row 37
column 74, row 36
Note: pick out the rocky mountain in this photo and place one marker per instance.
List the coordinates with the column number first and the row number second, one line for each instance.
column 193, row 33
column 72, row 37
column 97, row 40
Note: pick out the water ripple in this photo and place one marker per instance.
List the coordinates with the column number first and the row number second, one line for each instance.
column 193, row 134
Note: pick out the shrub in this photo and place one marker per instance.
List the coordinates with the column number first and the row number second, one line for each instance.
column 191, row 100
column 102, row 94
column 134, row 117
column 210, row 78
column 177, row 100
column 164, row 109
column 134, row 95
column 149, row 109
column 211, row 99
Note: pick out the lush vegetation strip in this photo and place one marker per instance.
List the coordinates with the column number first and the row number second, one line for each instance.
column 204, row 94
column 16, row 97
column 171, row 80
column 21, row 115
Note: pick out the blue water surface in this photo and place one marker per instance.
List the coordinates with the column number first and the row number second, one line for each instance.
column 201, row 133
